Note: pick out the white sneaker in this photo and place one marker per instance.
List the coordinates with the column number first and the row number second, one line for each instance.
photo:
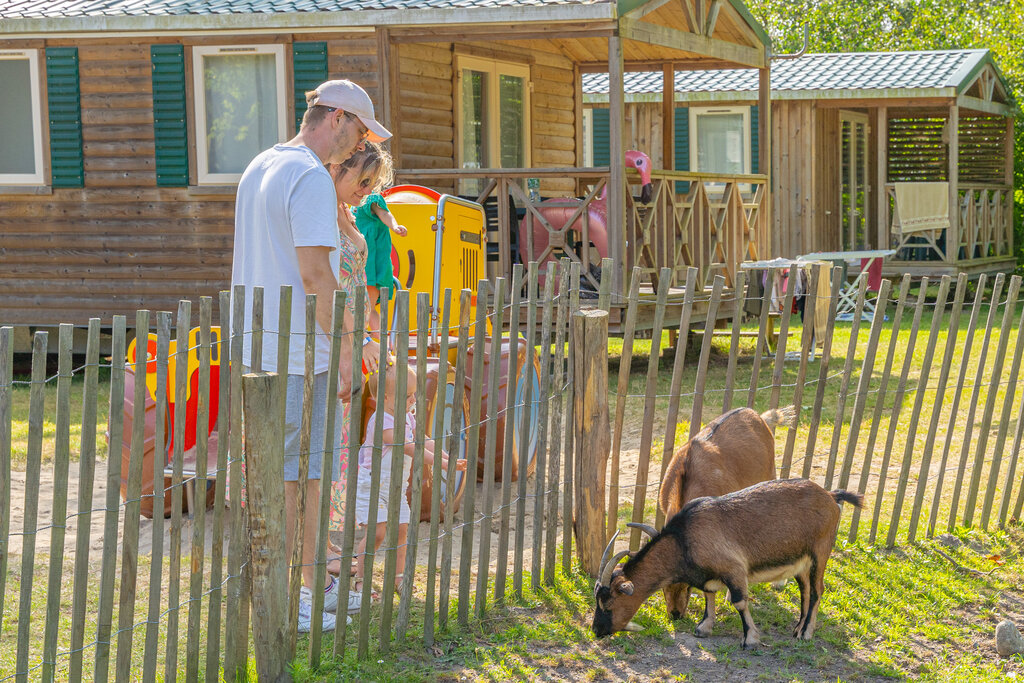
column 331, row 597
column 305, row 617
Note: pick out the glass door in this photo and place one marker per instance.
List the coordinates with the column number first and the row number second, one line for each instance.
column 854, row 188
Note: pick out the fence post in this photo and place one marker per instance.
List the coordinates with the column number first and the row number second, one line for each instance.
column 262, row 397
column 592, row 433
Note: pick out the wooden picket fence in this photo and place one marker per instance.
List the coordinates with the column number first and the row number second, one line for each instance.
column 125, row 624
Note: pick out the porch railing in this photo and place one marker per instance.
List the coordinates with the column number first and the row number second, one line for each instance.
column 711, row 222
column 983, row 223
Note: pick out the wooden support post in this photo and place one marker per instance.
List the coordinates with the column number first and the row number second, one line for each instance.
column 882, row 176
column 577, row 96
column 592, row 433
column 388, row 89
column 616, row 158
column 953, row 176
column 262, row 396
column 1009, row 143
column 668, row 118
column 764, row 156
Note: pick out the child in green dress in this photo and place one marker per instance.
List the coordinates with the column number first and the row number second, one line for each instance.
column 376, row 224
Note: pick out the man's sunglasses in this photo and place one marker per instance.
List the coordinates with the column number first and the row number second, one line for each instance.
column 365, row 131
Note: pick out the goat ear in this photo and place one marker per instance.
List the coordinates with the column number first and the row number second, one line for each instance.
column 626, row 587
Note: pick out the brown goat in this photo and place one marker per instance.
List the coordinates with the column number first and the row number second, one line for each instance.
column 732, row 452
column 766, row 532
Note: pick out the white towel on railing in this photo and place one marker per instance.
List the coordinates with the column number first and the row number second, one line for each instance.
column 921, row 206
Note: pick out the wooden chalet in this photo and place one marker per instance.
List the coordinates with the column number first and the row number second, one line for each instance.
column 848, row 130
column 133, row 122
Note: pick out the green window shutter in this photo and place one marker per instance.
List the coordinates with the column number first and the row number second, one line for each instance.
column 309, row 69
column 170, row 131
column 753, row 140
column 682, row 151
column 65, row 117
column 599, row 137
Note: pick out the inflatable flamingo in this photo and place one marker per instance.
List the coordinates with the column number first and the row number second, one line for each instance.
column 558, row 212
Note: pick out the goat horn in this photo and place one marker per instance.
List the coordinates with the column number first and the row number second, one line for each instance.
column 606, row 573
column 608, row 550
column 646, row 528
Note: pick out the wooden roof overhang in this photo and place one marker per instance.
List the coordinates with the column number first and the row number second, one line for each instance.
column 712, row 33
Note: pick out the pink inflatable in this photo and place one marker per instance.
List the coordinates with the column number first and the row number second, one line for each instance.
column 558, row 212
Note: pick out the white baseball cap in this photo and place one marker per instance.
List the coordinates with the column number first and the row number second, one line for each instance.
column 349, row 97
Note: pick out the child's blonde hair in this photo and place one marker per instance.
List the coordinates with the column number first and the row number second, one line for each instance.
column 391, row 383
column 372, row 159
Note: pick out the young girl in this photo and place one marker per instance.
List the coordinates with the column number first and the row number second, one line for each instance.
column 385, row 412
column 363, row 174
column 376, row 224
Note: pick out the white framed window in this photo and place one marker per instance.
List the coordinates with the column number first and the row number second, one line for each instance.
column 493, row 116
column 21, row 145
column 720, row 140
column 241, row 104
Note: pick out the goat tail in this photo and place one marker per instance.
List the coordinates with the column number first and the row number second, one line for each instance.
column 777, row 416
column 843, row 496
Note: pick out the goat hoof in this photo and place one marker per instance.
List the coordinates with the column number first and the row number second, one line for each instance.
column 751, row 642
column 676, row 615
column 702, row 632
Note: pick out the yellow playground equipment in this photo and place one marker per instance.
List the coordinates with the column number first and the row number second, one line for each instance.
column 443, row 231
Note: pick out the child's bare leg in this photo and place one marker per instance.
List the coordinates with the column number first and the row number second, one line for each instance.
column 403, row 534
column 358, row 559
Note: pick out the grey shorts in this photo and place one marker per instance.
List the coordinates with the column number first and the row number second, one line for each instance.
column 293, row 428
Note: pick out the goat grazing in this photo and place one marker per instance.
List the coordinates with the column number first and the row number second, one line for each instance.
column 732, row 452
column 766, row 532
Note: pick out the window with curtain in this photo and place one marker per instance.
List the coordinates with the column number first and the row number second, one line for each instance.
column 21, row 145
column 720, row 140
column 241, row 109
column 493, row 117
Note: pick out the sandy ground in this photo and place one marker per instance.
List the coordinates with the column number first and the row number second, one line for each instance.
column 45, row 523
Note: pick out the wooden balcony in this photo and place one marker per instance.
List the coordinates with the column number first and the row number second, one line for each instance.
column 711, row 222
column 981, row 227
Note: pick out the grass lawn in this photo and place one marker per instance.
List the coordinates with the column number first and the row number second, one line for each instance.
column 887, row 614
column 900, row 614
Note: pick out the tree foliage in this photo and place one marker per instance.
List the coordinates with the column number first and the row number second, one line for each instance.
column 893, row 25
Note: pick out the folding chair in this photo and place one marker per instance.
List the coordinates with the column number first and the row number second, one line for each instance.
column 847, row 295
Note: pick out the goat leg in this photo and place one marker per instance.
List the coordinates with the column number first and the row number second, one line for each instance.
column 803, row 580
column 816, row 574
column 738, row 596
column 677, row 598
column 707, row 623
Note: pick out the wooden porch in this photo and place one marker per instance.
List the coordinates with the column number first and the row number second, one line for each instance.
column 710, row 222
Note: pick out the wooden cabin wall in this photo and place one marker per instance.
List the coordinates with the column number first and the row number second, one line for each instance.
column 826, row 228
column 427, row 103
column 644, row 130
column 427, row 107
column 553, row 115
column 119, row 243
column 800, row 146
column 352, row 57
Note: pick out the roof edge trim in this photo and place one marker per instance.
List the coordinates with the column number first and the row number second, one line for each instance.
column 302, row 21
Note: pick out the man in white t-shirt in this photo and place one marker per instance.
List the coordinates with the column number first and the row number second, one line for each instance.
column 286, row 233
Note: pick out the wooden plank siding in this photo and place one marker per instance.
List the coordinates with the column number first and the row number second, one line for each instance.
column 120, row 243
